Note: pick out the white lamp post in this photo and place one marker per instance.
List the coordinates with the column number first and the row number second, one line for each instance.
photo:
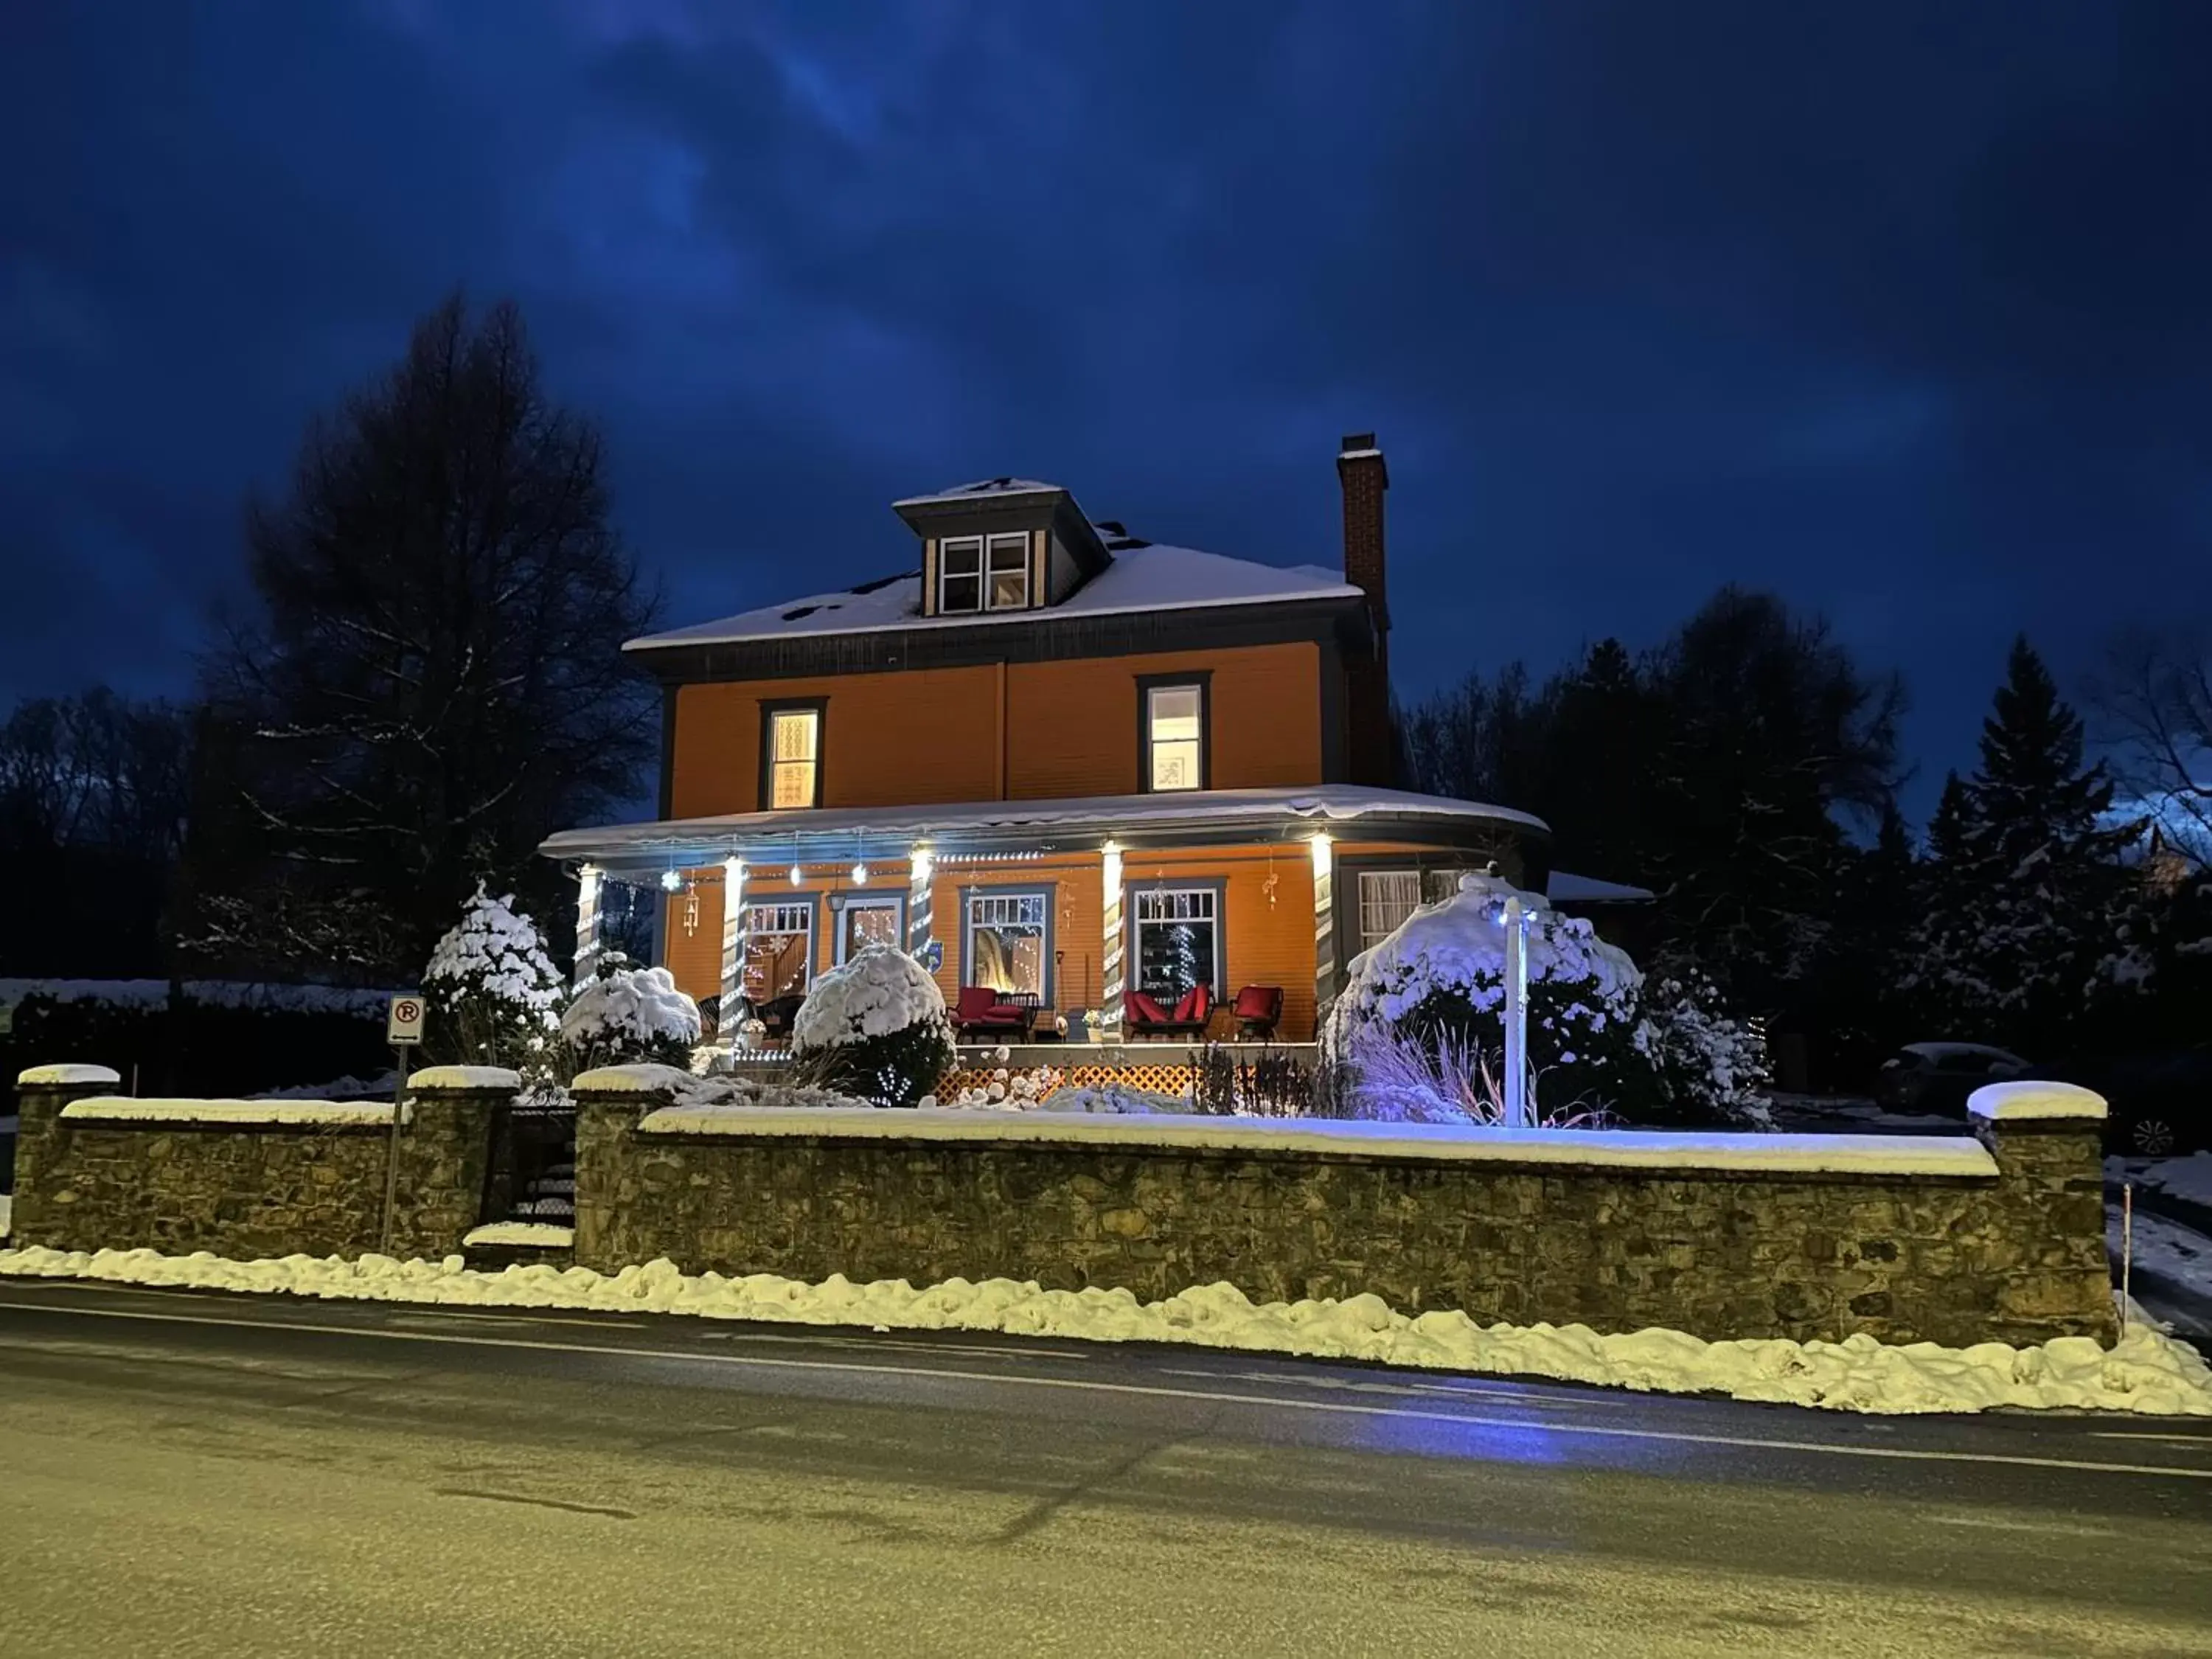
column 1517, row 1015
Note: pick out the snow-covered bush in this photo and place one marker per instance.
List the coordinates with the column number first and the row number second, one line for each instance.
column 1015, row 1089
column 1705, row 1064
column 1447, row 1078
column 493, row 995
column 1442, row 976
column 1113, row 1099
column 875, row 1028
column 1421, row 1026
column 627, row 1016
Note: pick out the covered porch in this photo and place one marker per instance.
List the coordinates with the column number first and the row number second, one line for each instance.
column 1059, row 910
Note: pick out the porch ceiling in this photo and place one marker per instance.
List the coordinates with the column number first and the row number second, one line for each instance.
column 1217, row 817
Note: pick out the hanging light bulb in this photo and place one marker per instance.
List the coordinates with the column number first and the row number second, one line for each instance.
column 860, row 875
column 672, row 880
column 795, row 877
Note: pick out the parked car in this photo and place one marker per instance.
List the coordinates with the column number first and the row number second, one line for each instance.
column 1938, row 1077
column 2160, row 1102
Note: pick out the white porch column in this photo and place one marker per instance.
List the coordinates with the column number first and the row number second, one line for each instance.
column 587, row 925
column 1113, row 976
column 733, row 952
column 1324, row 888
column 920, row 924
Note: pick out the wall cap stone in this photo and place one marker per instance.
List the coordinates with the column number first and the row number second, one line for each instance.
column 64, row 1076
column 2007, row 1102
column 1640, row 1149
column 464, row 1077
column 302, row 1114
column 631, row 1080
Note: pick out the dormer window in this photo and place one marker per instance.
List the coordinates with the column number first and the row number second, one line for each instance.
column 976, row 573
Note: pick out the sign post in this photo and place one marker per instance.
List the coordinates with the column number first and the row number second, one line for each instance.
column 403, row 1030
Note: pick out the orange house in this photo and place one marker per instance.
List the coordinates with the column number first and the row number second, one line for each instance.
column 1083, row 771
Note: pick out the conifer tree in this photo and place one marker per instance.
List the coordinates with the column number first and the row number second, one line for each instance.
column 2031, row 922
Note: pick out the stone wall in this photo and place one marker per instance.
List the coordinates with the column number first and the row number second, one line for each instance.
column 245, row 1189
column 2015, row 1254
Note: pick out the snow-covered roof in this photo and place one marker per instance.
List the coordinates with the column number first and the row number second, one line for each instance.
column 985, row 487
column 1153, row 577
column 878, row 831
column 1564, row 888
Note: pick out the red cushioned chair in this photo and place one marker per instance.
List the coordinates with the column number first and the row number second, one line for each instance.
column 1146, row 1018
column 980, row 1011
column 1258, row 1010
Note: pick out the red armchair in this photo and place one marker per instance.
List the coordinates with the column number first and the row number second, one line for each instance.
column 1146, row 1018
column 983, row 1011
column 1258, row 1010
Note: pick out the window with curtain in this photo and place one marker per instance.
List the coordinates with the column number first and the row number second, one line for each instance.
column 1005, row 944
column 1175, row 737
column 794, row 757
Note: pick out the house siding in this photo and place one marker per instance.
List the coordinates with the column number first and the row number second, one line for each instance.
column 1072, row 726
column 1057, row 730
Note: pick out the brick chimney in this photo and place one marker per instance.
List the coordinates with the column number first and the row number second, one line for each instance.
column 1370, row 752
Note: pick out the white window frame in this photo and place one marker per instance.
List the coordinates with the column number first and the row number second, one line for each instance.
column 841, row 904
column 1149, row 689
column 1369, row 935
column 1215, row 894
column 780, row 912
column 984, row 549
column 970, row 897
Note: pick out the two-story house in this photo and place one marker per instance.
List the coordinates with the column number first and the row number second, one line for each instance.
column 1052, row 757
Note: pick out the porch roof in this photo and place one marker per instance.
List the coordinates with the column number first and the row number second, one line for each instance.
column 1195, row 817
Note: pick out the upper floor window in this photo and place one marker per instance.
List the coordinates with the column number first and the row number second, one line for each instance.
column 1173, row 719
column 791, row 754
column 975, row 573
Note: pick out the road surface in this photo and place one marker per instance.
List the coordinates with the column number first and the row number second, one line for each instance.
column 193, row 1473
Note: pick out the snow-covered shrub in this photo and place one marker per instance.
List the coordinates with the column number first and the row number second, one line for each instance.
column 628, row 1016
column 1705, row 1064
column 875, row 1028
column 493, row 995
column 1441, row 977
column 1015, row 1089
column 1421, row 1027
column 1447, row 1079
column 1113, row 1099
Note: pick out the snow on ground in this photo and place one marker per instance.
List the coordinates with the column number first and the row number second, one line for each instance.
column 2186, row 1178
column 535, row 1235
column 2179, row 1254
column 7, row 1205
column 320, row 1114
column 2148, row 1372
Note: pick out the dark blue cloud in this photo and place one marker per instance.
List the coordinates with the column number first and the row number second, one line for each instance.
column 1902, row 311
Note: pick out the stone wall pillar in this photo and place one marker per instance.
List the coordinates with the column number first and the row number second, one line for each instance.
column 41, row 1091
column 445, row 1155
column 608, row 1103
column 2047, row 1263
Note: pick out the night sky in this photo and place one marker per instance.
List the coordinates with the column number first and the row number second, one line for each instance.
column 1903, row 312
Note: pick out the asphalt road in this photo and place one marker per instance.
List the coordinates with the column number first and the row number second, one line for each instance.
column 190, row 1473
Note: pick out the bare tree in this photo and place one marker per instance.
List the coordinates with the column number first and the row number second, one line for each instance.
column 431, row 679
column 2153, row 703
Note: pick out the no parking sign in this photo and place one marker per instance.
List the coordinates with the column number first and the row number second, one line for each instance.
column 402, row 1026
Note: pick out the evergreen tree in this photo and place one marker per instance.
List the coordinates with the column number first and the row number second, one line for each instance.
column 2031, row 923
